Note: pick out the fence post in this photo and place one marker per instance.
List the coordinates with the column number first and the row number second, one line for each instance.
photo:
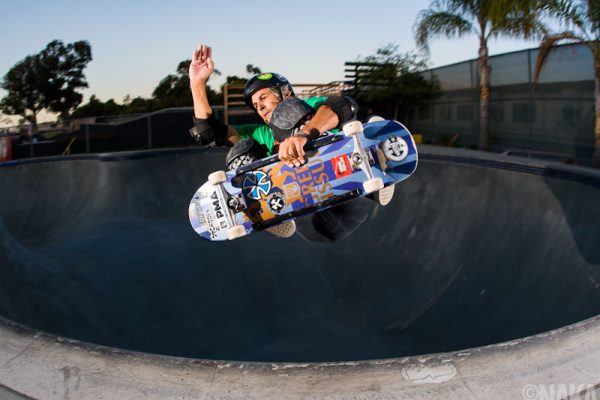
column 87, row 138
column 530, row 95
column 149, row 119
column 226, row 104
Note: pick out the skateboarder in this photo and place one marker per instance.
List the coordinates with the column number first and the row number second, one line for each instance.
column 251, row 142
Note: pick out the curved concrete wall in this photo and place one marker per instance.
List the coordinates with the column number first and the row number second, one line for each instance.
column 44, row 366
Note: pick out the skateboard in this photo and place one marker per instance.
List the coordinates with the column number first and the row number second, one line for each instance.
column 338, row 168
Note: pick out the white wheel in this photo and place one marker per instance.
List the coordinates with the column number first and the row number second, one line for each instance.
column 352, row 128
column 375, row 118
column 217, row 177
column 236, row 232
column 373, row 185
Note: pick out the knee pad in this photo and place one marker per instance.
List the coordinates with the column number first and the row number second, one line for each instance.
column 244, row 152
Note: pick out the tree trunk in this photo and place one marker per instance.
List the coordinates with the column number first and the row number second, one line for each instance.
column 484, row 96
column 596, row 157
column 34, row 122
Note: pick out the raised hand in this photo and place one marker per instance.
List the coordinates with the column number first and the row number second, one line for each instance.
column 202, row 65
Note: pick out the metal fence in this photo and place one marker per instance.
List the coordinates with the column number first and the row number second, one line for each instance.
column 160, row 129
column 164, row 128
column 553, row 119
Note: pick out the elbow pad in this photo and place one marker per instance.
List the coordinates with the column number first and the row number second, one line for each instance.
column 206, row 131
column 344, row 107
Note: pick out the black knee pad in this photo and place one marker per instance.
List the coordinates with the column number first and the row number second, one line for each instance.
column 244, row 152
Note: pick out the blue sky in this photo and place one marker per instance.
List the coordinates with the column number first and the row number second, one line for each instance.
column 137, row 43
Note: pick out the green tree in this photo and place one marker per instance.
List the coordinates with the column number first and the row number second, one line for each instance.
column 95, row 108
column 389, row 80
column 23, row 98
column 486, row 19
column 582, row 22
column 139, row 105
column 174, row 89
column 47, row 80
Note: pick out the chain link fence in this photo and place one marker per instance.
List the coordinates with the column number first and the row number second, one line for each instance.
column 551, row 119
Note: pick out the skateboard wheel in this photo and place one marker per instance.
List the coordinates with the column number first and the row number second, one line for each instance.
column 352, row 128
column 375, row 118
column 373, row 185
column 236, row 232
column 217, row 177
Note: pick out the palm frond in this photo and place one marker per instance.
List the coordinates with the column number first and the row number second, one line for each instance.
column 526, row 27
column 569, row 12
column 546, row 46
column 464, row 7
column 497, row 10
column 432, row 23
column 594, row 16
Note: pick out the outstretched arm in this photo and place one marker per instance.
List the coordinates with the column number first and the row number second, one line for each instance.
column 201, row 68
column 207, row 128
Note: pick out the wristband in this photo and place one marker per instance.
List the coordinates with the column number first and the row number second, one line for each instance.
column 301, row 134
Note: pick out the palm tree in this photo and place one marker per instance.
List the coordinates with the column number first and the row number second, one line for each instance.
column 583, row 19
column 487, row 19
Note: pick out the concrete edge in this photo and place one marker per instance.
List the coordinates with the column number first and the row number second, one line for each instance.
column 59, row 368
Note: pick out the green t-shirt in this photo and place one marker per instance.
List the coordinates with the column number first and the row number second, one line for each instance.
column 263, row 134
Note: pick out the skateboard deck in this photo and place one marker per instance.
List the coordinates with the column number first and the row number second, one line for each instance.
column 338, row 168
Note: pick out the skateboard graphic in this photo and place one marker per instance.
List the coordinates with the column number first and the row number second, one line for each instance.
column 338, row 168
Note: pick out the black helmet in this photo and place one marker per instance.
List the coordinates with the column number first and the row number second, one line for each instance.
column 267, row 80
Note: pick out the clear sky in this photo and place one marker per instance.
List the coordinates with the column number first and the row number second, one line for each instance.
column 137, row 43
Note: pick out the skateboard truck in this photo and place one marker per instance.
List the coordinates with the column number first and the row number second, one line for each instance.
column 357, row 159
column 360, row 157
column 235, row 231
